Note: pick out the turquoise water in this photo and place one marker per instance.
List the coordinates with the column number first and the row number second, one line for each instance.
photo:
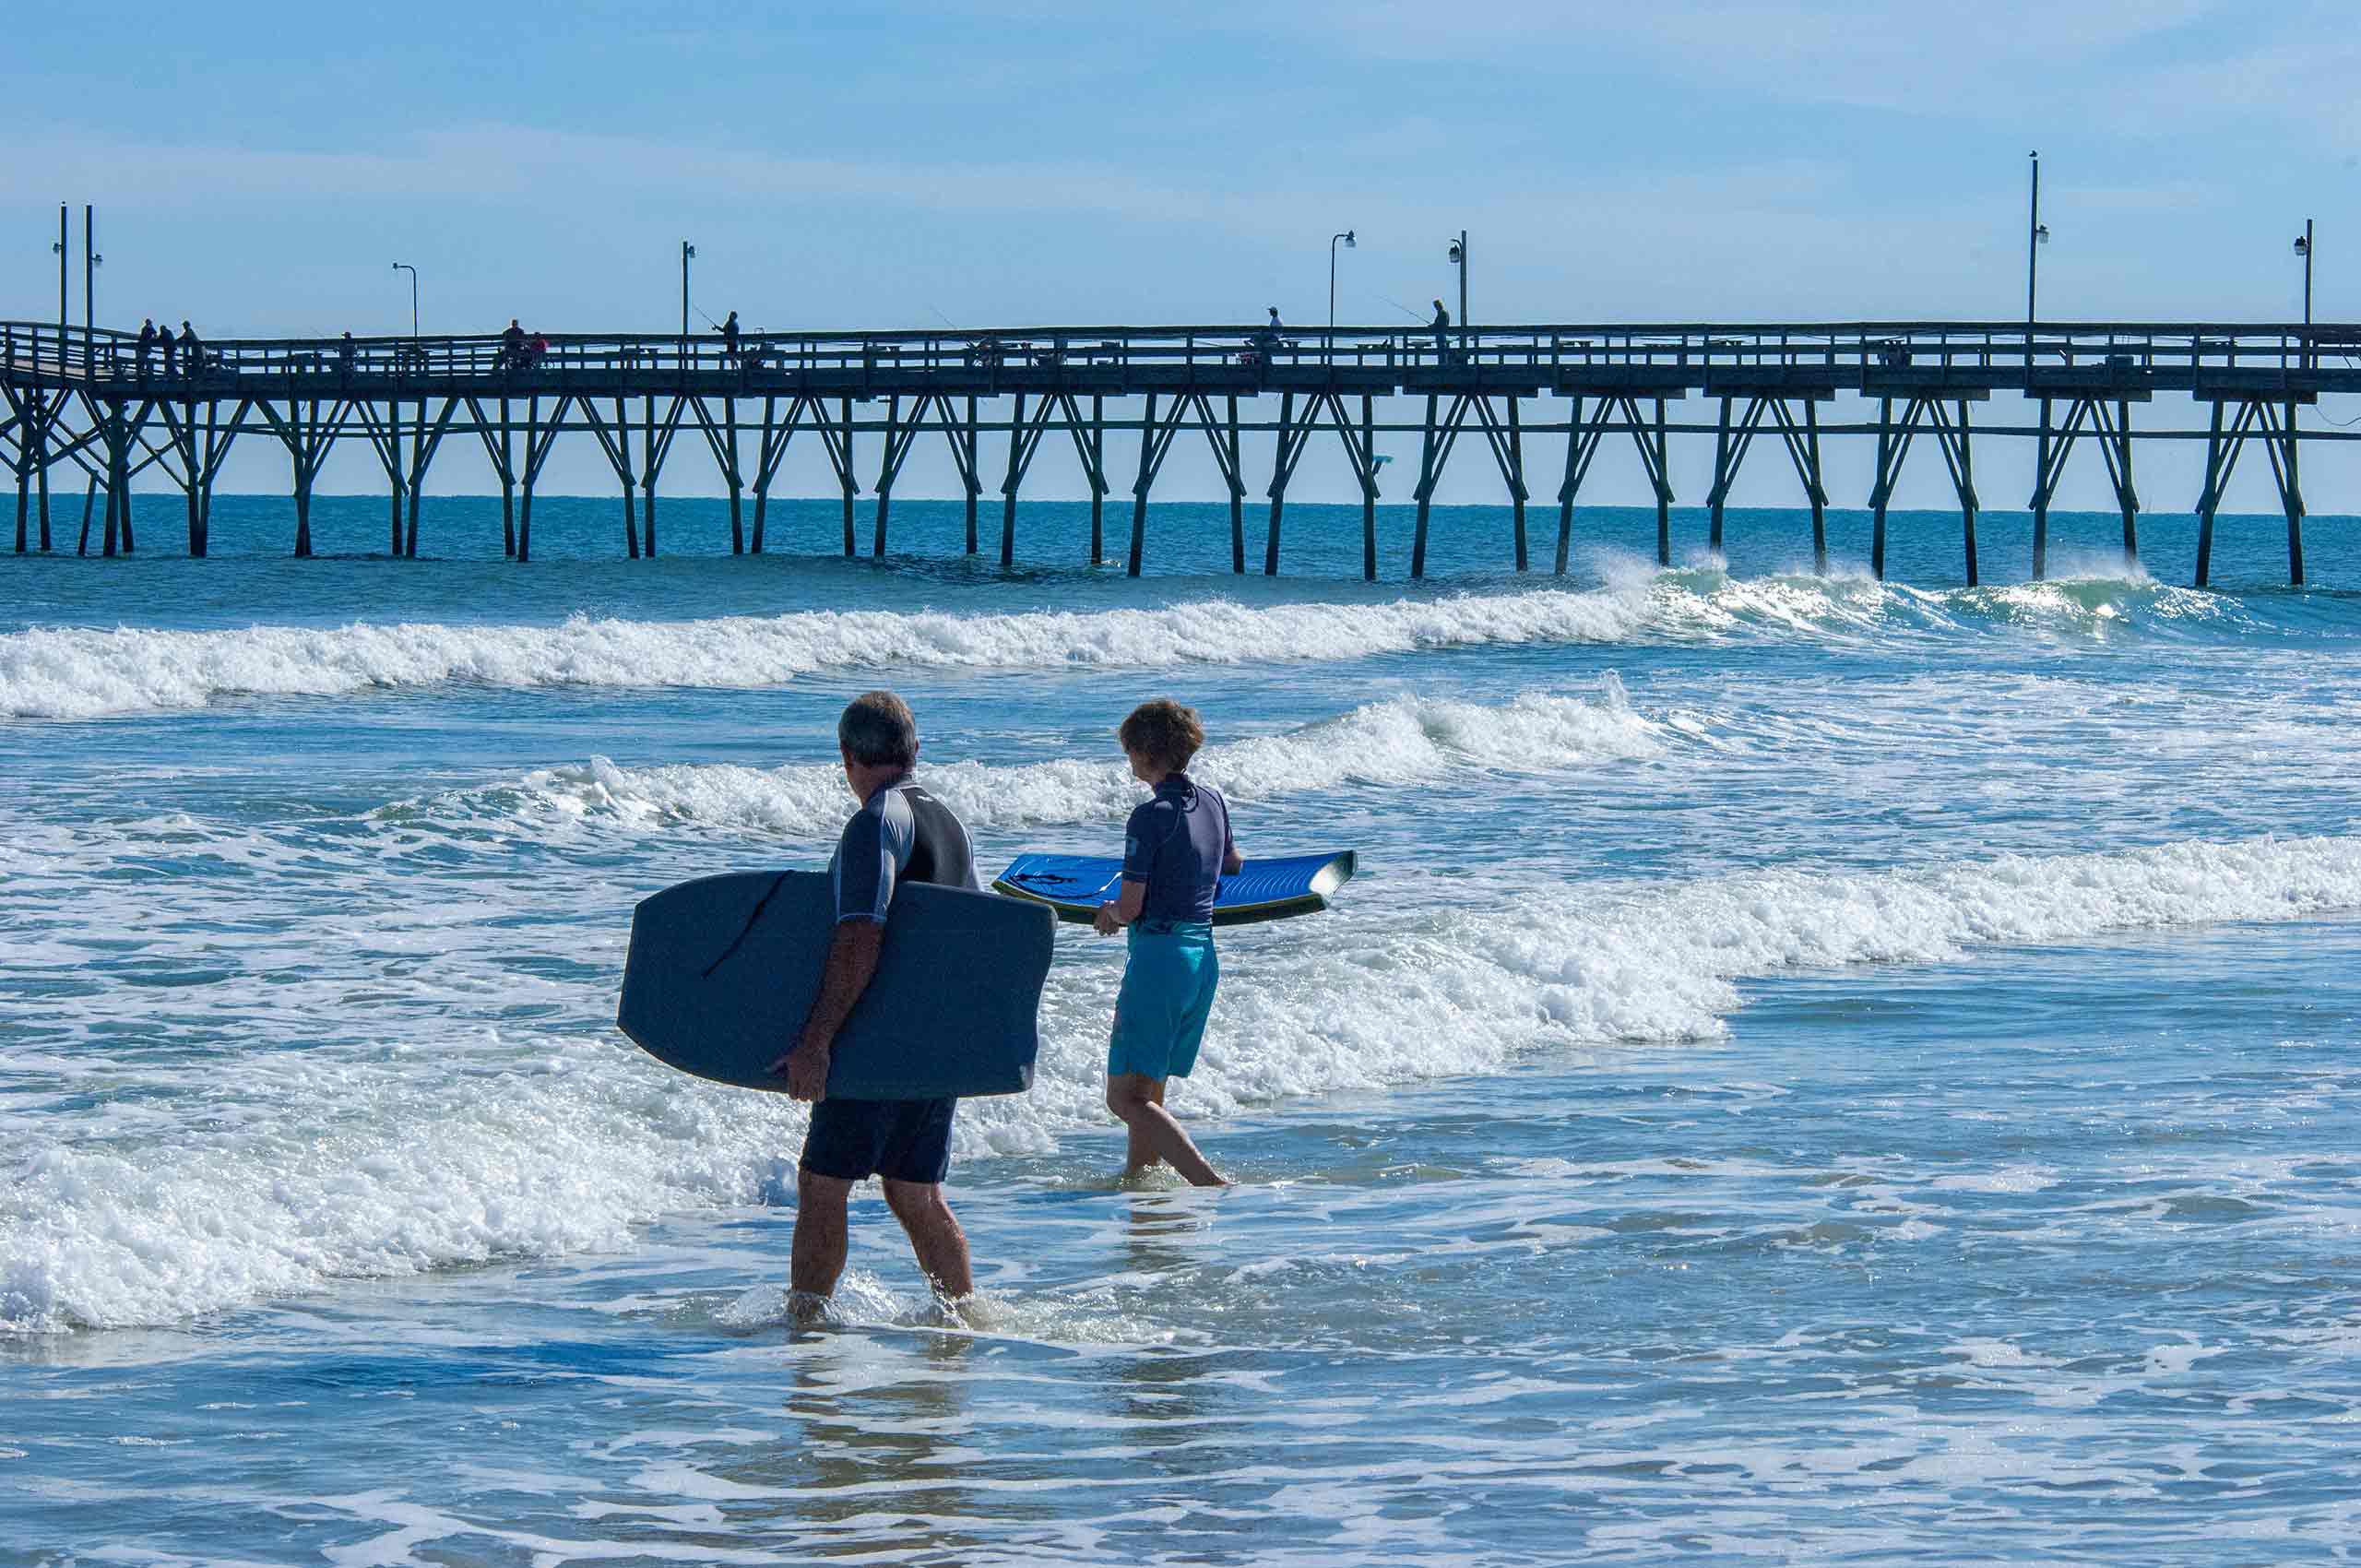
column 1810, row 1068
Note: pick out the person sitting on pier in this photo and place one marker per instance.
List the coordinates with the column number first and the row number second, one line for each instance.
column 536, row 351
column 147, row 344
column 512, row 346
column 729, row 330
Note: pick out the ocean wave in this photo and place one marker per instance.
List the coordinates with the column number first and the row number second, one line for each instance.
column 483, row 1143
column 1406, row 740
column 79, row 673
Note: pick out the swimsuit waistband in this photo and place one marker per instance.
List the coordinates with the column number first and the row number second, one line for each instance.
column 1173, row 928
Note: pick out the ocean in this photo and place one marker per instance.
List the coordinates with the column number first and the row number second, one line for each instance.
column 1810, row 1068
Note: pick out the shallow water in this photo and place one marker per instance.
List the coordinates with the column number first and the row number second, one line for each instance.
column 1809, row 1067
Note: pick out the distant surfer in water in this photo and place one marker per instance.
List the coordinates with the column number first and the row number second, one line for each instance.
column 1175, row 849
column 900, row 833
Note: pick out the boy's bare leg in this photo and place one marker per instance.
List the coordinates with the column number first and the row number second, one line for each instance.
column 935, row 1237
column 816, row 1258
column 1138, row 1100
column 1140, row 1152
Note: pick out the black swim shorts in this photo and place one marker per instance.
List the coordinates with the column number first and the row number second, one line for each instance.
column 901, row 1140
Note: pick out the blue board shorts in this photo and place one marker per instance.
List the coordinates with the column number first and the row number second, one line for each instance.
column 901, row 1140
column 1168, row 996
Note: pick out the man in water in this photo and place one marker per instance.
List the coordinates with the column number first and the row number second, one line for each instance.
column 900, row 833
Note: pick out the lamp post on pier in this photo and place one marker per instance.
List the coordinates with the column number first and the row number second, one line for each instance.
column 2304, row 249
column 1328, row 354
column 91, row 262
column 406, row 266
column 2036, row 236
column 688, row 254
column 63, row 317
column 1459, row 260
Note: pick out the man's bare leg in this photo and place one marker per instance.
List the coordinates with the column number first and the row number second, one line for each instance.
column 935, row 1237
column 1138, row 1101
column 816, row 1258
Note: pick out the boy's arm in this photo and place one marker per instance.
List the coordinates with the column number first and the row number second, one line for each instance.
column 1122, row 910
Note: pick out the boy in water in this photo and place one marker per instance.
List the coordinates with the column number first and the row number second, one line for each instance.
column 1175, row 849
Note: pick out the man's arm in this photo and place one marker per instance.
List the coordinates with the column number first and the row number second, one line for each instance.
column 852, row 964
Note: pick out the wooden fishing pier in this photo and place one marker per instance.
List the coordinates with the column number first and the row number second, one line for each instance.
column 111, row 411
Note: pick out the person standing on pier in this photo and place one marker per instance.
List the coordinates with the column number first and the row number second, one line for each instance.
column 192, row 351
column 900, row 834
column 512, row 346
column 171, row 348
column 729, row 330
column 147, row 344
column 1441, row 323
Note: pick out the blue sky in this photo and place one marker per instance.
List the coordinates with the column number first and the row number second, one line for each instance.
column 259, row 167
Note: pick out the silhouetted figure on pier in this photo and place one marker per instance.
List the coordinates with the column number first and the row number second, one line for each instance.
column 512, row 346
column 171, row 348
column 147, row 344
column 729, row 330
column 538, row 351
column 192, row 351
column 1441, row 323
column 347, row 350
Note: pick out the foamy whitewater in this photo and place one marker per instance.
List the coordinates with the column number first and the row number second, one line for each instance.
column 1810, row 1068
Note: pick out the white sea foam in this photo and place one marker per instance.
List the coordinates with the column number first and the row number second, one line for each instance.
column 1407, row 739
column 85, row 673
column 477, row 1142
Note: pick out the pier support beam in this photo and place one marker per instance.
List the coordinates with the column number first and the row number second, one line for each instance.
column 307, row 438
column 614, row 440
column 1952, row 433
column 2274, row 424
column 1800, row 435
column 540, row 440
column 1358, row 438
column 1583, row 437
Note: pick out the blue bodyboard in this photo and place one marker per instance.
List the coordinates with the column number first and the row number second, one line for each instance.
column 722, row 971
column 1075, row 885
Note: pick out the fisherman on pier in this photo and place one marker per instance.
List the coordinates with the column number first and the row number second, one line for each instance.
column 729, row 330
column 512, row 346
column 191, row 351
column 147, row 344
column 1441, row 323
column 171, row 347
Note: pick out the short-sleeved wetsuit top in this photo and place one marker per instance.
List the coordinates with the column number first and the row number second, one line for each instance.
column 901, row 833
column 1176, row 843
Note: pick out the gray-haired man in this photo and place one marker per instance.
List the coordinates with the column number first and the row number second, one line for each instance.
column 900, row 833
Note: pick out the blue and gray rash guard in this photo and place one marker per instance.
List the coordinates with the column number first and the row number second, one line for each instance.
column 902, row 833
column 1176, row 843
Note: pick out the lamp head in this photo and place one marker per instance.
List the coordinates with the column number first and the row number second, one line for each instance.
column 2303, row 245
column 2041, row 234
column 1349, row 243
column 1457, row 257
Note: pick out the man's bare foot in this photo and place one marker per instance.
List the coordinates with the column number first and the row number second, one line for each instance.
column 806, row 1308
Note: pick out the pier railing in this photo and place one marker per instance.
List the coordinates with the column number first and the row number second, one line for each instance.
column 1996, row 355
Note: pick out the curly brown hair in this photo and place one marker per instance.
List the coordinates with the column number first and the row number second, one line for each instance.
column 1163, row 732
